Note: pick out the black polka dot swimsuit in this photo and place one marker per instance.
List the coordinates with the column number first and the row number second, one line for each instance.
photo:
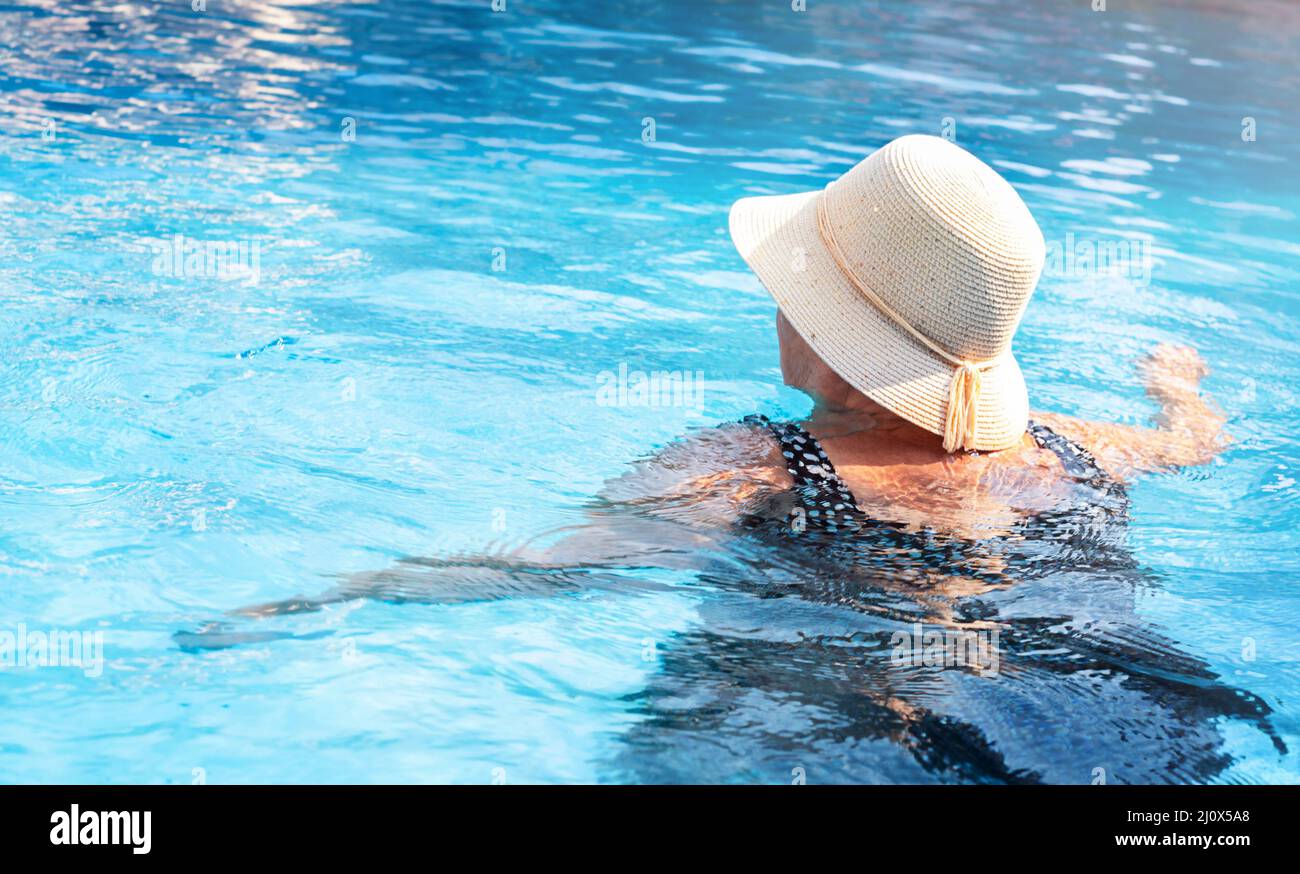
column 825, row 504
column 824, row 501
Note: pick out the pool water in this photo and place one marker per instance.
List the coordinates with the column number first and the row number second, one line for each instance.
column 444, row 229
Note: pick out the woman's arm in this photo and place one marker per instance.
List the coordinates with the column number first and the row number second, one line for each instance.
column 1188, row 428
column 673, row 511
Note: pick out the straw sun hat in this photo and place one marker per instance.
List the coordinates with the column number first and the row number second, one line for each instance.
column 908, row 276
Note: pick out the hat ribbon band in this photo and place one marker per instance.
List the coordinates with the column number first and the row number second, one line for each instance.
column 963, row 391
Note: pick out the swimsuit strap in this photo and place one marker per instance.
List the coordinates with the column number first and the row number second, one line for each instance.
column 1077, row 461
column 825, row 500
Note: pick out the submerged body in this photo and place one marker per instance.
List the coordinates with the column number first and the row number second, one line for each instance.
column 1024, row 548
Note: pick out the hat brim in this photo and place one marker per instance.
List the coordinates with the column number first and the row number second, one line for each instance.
column 778, row 238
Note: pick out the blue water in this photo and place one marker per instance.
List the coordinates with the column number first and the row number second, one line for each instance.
column 415, row 370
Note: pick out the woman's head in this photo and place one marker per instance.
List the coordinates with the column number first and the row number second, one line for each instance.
column 905, row 280
column 802, row 368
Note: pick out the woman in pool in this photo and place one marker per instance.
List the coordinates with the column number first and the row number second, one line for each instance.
column 899, row 288
column 919, row 490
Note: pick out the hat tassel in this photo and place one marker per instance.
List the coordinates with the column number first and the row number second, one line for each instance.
column 963, row 406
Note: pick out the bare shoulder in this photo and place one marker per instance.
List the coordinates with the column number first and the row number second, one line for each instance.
column 1119, row 449
column 733, row 460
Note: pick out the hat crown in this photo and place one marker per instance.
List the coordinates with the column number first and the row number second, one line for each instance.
column 942, row 239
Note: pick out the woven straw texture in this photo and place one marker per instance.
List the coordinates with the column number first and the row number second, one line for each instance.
column 944, row 242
